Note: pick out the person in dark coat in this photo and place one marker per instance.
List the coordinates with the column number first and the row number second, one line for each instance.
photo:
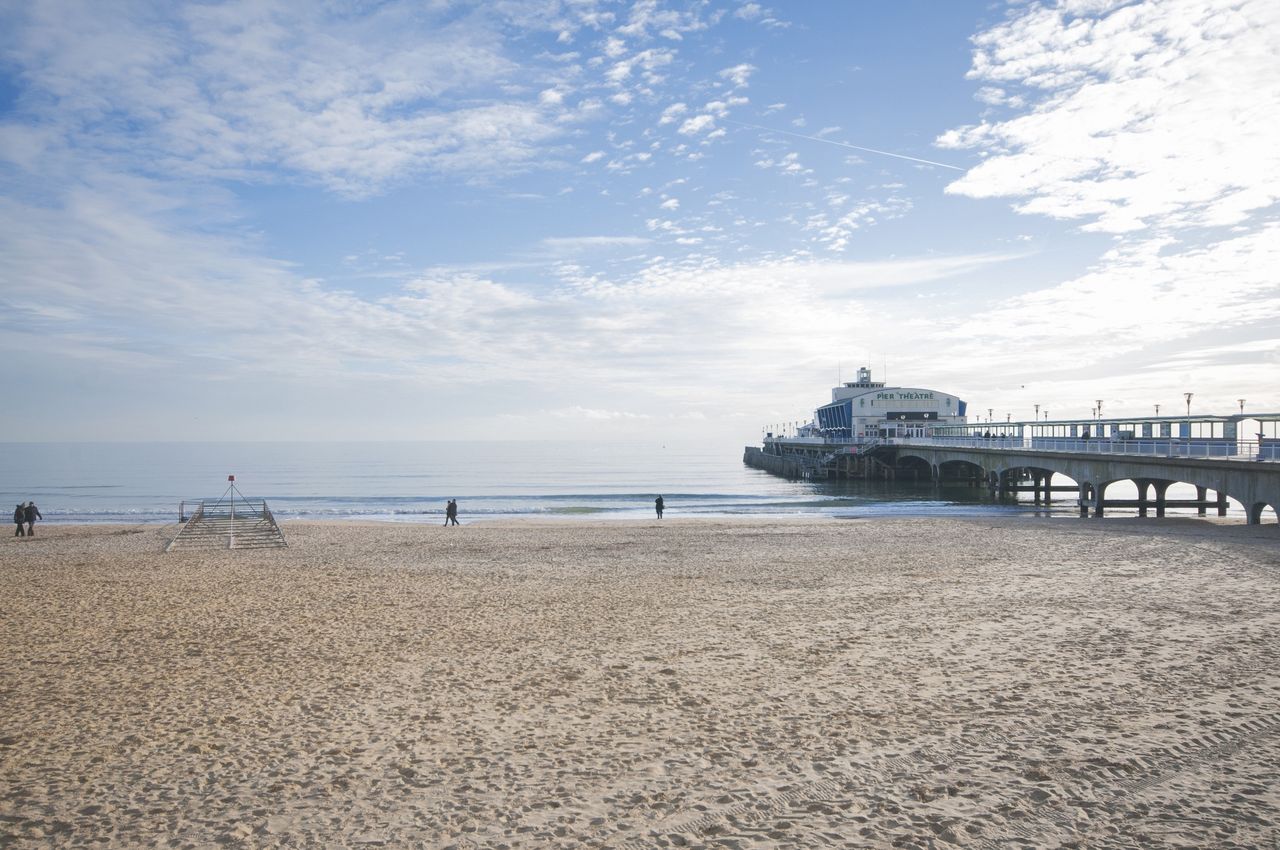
column 19, row 517
column 32, row 514
column 451, row 512
column 657, row 506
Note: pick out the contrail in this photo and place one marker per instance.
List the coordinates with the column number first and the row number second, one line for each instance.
column 842, row 144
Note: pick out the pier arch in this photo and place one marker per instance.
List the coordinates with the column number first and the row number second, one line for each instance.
column 915, row 467
column 962, row 470
column 1254, row 486
column 1256, row 511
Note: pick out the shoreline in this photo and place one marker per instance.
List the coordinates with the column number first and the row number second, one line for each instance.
column 1013, row 513
column 1105, row 523
column 718, row 683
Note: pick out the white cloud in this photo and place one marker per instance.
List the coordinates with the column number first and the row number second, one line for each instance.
column 720, row 108
column 697, row 124
column 646, row 18
column 672, row 112
column 99, row 278
column 1136, row 323
column 251, row 91
column 670, row 204
column 594, row 156
column 579, row 412
column 738, row 75
column 575, row 244
column 619, row 72
column 1152, row 114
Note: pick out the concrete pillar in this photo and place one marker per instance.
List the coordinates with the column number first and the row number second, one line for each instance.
column 1099, row 500
column 1202, row 493
column 1222, row 503
column 1084, row 499
column 1162, row 487
column 1142, row 495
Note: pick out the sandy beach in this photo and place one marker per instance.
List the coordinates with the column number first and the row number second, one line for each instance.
column 908, row 683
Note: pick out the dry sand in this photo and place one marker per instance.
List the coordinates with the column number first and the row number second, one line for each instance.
column 911, row 683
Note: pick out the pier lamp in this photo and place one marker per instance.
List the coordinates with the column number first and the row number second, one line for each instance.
column 990, row 412
column 1099, row 408
column 1241, row 406
column 1157, row 410
column 1008, row 417
column 1046, row 414
column 1038, row 413
column 1188, row 397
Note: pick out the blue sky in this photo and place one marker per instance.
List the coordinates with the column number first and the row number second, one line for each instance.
column 571, row 218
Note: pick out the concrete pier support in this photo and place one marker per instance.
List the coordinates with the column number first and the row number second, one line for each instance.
column 1162, row 487
column 1099, row 500
column 1202, row 493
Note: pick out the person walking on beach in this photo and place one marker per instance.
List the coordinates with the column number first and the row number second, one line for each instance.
column 451, row 512
column 657, row 506
column 19, row 517
column 32, row 514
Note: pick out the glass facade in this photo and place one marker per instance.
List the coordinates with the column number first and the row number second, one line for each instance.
column 837, row 419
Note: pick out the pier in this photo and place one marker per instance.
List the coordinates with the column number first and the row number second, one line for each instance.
column 1209, row 453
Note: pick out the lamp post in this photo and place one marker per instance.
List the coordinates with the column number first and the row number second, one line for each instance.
column 990, row 412
column 1157, row 410
column 1099, row 408
column 1188, row 397
column 1008, row 417
column 1241, row 406
column 1038, row 413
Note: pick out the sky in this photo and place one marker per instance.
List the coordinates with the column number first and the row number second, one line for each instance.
column 579, row 219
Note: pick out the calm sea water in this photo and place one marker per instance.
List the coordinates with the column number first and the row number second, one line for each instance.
column 410, row 482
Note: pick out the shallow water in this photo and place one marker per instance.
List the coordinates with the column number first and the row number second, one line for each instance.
column 411, row 481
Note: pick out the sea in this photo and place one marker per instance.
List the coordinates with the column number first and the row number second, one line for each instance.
column 149, row 482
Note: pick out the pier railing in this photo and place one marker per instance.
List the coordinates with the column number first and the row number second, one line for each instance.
column 1250, row 450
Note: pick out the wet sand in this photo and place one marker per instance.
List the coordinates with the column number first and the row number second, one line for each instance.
column 906, row 683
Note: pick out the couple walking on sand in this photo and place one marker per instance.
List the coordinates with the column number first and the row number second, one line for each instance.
column 28, row 514
column 451, row 512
